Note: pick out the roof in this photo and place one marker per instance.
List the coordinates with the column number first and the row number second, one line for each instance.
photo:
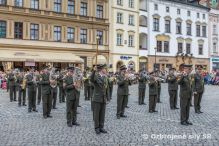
column 194, row 3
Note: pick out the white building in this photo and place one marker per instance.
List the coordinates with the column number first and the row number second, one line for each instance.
column 176, row 32
column 124, row 49
column 213, row 39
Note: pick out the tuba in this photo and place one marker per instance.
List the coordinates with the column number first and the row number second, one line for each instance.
column 24, row 83
column 77, row 79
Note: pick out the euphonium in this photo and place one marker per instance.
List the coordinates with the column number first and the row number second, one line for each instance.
column 24, row 83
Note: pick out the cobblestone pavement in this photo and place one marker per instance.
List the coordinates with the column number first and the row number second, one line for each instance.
column 18, row 127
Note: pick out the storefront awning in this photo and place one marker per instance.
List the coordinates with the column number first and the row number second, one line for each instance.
column 33, row 56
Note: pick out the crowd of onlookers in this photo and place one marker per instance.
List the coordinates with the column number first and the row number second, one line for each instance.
column 211, row 78
column 3, row 80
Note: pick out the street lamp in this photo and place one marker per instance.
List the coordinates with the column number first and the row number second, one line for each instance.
column 155, row 58
column 97, row 39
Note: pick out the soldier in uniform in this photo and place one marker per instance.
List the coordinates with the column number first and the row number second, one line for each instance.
column 153, row 91
column 111, row 83
column 185, row 94
column 21, row 81
column 123, row 82
column 198, row 89
column 39, row 88
column 46, row 93
column 100, row 98
column 71, row 103
column 54, row 89
column 12, row 86
column 142, row 87
column 86, row 85
column 172, row 88
column 158, row 88
column 61, row 89
column 31, row 86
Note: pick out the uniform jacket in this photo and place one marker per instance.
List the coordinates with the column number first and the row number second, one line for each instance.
column 46, row 89
column 198, row 83
column 172, row 82
column 185, row 87
column 70, row 88
column 123, row 85
column 142, row 82
column 153, row 88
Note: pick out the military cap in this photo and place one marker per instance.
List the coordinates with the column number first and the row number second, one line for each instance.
column 187, row 65
column 71, row 68
column 199, row 66
column 172, row 68
column 101, row 66
column 123, row 67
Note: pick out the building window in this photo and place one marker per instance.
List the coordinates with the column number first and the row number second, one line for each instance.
column 18, row 3
column 189, row 29
column 131, row 40
column 156, row 24
column 99, row 11
column 167, row 9
column 197, row 15
column 198, row 31
column 131, row 3
column 119, row 17
column 166, row 46
column 188, row 13
column 57, row 6
column 204, row 31
column 3, row 29
column 178, row 11
column 200, row 49
column 214, row 47
column 71, row 6
column 119, row 2
column 188, row 48
column 180, row 47
column 119, row 39
column 159, row 46
column 71, row 34
column 83, row 36
column 83, row 9
column 178, row 28
column 34, row 31
column 3, row 2
column 57, row 33
column 155, row 7
column 214, row 29
column 167, row 26
column 203, row 16
column 34, row 4
column 100, row 35
column 18, row 30
column 131, row 19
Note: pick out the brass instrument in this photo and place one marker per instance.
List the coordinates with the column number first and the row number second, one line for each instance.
column 53, row 78
column 24, row 83
column 77, row 79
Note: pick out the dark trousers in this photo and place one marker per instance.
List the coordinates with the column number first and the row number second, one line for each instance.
column 7, row 86
column 141, row 95
column 197, row 101
column 47, row 104
column 31, row 99
column 61, row 94
column 152, row 102
column 39, row 94
column 184, row 108
column 71, row 111
column 77, row 97
column 54, row 96
column 111, row 91
column 87, row 92
column 121, row 104
column 173, row 98
column 21, row 96
column 158, row 94
column 13, row 93
column 99, row 114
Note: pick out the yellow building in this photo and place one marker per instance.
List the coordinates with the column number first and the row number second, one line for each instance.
column 31, row 28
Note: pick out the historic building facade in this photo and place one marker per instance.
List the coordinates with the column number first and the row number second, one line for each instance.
column 54, row 26
column 177, row 32
column 124, row 43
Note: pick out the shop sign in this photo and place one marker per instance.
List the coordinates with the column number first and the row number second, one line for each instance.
column 143, row 60
column 215, row 59
column 29, row 63
column 125, row 57
column 163, row 60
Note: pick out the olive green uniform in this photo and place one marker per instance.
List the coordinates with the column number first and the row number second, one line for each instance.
column 71, row 103
column 198, row 87
column 12, row 86
column 158, row 91
column 153, row 91
column 111, row 83
column 185, row 97
column 172, row 88
column 122, row 94
column 61, row 89
column 46, row 95
column 87, row 86
column 99, row 99
column 39, row 89
column 141, row 89
column 21, row 92
column 31, row 86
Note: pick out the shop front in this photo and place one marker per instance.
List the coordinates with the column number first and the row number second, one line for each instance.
column 214, row 63
column 130, row 61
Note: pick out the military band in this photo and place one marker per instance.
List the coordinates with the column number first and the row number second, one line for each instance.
column 98, row 87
